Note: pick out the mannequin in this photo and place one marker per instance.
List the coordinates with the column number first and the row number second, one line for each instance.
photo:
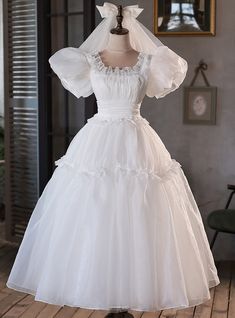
column 119, row 52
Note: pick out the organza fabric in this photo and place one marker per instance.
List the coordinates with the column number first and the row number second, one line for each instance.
column 117, row 225
column 141, row 39
column 165, row 72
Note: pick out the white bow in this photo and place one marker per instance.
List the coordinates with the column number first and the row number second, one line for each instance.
column 110, row 10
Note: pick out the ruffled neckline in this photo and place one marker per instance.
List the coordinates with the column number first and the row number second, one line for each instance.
column 116, row 69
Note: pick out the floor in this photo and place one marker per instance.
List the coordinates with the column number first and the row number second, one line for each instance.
column 15, row 304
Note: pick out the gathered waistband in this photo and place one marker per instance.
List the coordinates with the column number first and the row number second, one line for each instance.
column 118, row 108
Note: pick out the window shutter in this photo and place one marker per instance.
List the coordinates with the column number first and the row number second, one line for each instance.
column 21, row 114
column 38, row 123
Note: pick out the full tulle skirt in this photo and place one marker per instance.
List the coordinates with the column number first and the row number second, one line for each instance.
column 116, row 226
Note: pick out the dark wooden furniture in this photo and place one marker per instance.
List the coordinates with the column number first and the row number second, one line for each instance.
column 223, row 220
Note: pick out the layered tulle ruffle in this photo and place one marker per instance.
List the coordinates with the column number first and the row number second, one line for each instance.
column 116, row 226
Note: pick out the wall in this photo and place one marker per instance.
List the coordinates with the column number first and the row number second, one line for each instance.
column 207, row 153
column 1, row 67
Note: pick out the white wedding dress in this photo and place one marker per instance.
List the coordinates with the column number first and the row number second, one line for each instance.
column 117, row 225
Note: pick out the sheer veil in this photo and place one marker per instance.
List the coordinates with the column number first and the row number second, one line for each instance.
column 141, row 39
column 167, row 68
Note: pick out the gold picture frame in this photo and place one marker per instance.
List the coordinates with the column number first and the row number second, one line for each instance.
column 168, row 16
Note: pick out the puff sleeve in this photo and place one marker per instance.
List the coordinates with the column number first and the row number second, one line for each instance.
column 167, row 72
column 73, row 69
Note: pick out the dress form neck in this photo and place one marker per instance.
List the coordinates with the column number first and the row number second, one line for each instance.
column 119, row 51
column 119, row 43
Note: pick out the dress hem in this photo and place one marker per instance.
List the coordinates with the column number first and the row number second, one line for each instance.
column 192, row 303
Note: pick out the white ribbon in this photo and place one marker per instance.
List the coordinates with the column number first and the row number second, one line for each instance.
column 110, row 10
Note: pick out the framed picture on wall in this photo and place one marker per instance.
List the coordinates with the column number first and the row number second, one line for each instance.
column 200, row 105
column 184, row 17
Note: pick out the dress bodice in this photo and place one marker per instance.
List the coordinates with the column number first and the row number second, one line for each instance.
column 119, row 91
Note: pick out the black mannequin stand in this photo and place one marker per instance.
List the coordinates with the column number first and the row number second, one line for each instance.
column 122, row 313
column 119, row 28
column 119, row 312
